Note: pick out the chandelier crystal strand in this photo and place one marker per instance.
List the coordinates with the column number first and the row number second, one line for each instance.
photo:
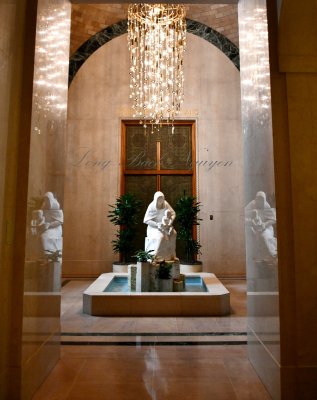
column 157, row 41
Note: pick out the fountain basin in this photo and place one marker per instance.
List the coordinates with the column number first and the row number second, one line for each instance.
column 98, row 301
column 121, row 284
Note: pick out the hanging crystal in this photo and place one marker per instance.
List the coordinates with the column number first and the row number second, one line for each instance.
column 156, row 40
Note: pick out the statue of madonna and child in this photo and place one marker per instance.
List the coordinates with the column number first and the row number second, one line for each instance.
column 260, row 219
column 161, row 236
column 161, row 241
column 46, row 225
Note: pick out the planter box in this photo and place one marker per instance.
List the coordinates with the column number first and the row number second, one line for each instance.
column 190, row 268
column 119, row 267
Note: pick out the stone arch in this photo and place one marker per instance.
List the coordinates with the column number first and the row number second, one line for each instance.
column 111, row 32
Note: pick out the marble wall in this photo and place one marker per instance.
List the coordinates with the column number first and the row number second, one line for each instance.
column 262, row 265
column 98, row 100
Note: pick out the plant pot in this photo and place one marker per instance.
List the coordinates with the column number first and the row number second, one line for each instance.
column 119, row 266
column 182, row 278
column 178, row 285
column 191, row 267
column 166, row 285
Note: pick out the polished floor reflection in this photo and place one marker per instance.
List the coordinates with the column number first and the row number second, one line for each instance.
column 152, row 358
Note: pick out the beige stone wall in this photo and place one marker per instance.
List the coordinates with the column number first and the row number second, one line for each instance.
column 98, row 99
column 87, row 19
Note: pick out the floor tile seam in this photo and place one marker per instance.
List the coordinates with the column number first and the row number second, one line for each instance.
column 145, row 339
column 153, row 334
column 75, row 379
column 231, row 382
column 138, row 338
column 167, row 377
column 92, row 340
column 254, row 380
column 257, row 382
column 264, row 344
column 159, row 344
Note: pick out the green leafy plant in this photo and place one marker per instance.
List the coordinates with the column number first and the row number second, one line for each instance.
column 164, row 270
column 143, row 256
column 187, row 209
column 124, row 213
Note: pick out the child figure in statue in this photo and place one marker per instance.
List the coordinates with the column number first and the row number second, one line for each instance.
column 256, row 222
column 260, row 218
column 166, row 226
column 37, row 222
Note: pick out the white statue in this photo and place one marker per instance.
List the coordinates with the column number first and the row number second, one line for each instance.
column 47, row 223
column 261, row 217
column 161, row 236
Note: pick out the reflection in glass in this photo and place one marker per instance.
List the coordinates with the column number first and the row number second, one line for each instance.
column 260, row 220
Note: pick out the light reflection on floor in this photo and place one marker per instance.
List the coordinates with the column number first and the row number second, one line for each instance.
column 120, row 358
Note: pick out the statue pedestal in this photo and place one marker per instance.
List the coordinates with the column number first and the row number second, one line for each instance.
column 139, row 277
column 143, row 277
column 153, row 278
column 132, row 276
column 42, row 276
column 175, row 270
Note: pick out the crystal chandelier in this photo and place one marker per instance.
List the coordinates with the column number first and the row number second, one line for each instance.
column 156, row 40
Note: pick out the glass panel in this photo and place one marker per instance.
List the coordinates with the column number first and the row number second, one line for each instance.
column 259, row 187
column 176, row 148
column 140, row 149
column 44, row 240
column 144, row 187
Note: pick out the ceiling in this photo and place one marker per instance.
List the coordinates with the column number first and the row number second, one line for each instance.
column 88, row 19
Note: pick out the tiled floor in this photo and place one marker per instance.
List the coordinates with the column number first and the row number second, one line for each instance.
column 152, row 358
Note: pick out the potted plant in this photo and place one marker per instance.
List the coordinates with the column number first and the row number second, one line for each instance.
column 187, row 209
column 144, row 260
column 164, row 275
column 53, row 256
column 124, row 214
column 143, row 256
